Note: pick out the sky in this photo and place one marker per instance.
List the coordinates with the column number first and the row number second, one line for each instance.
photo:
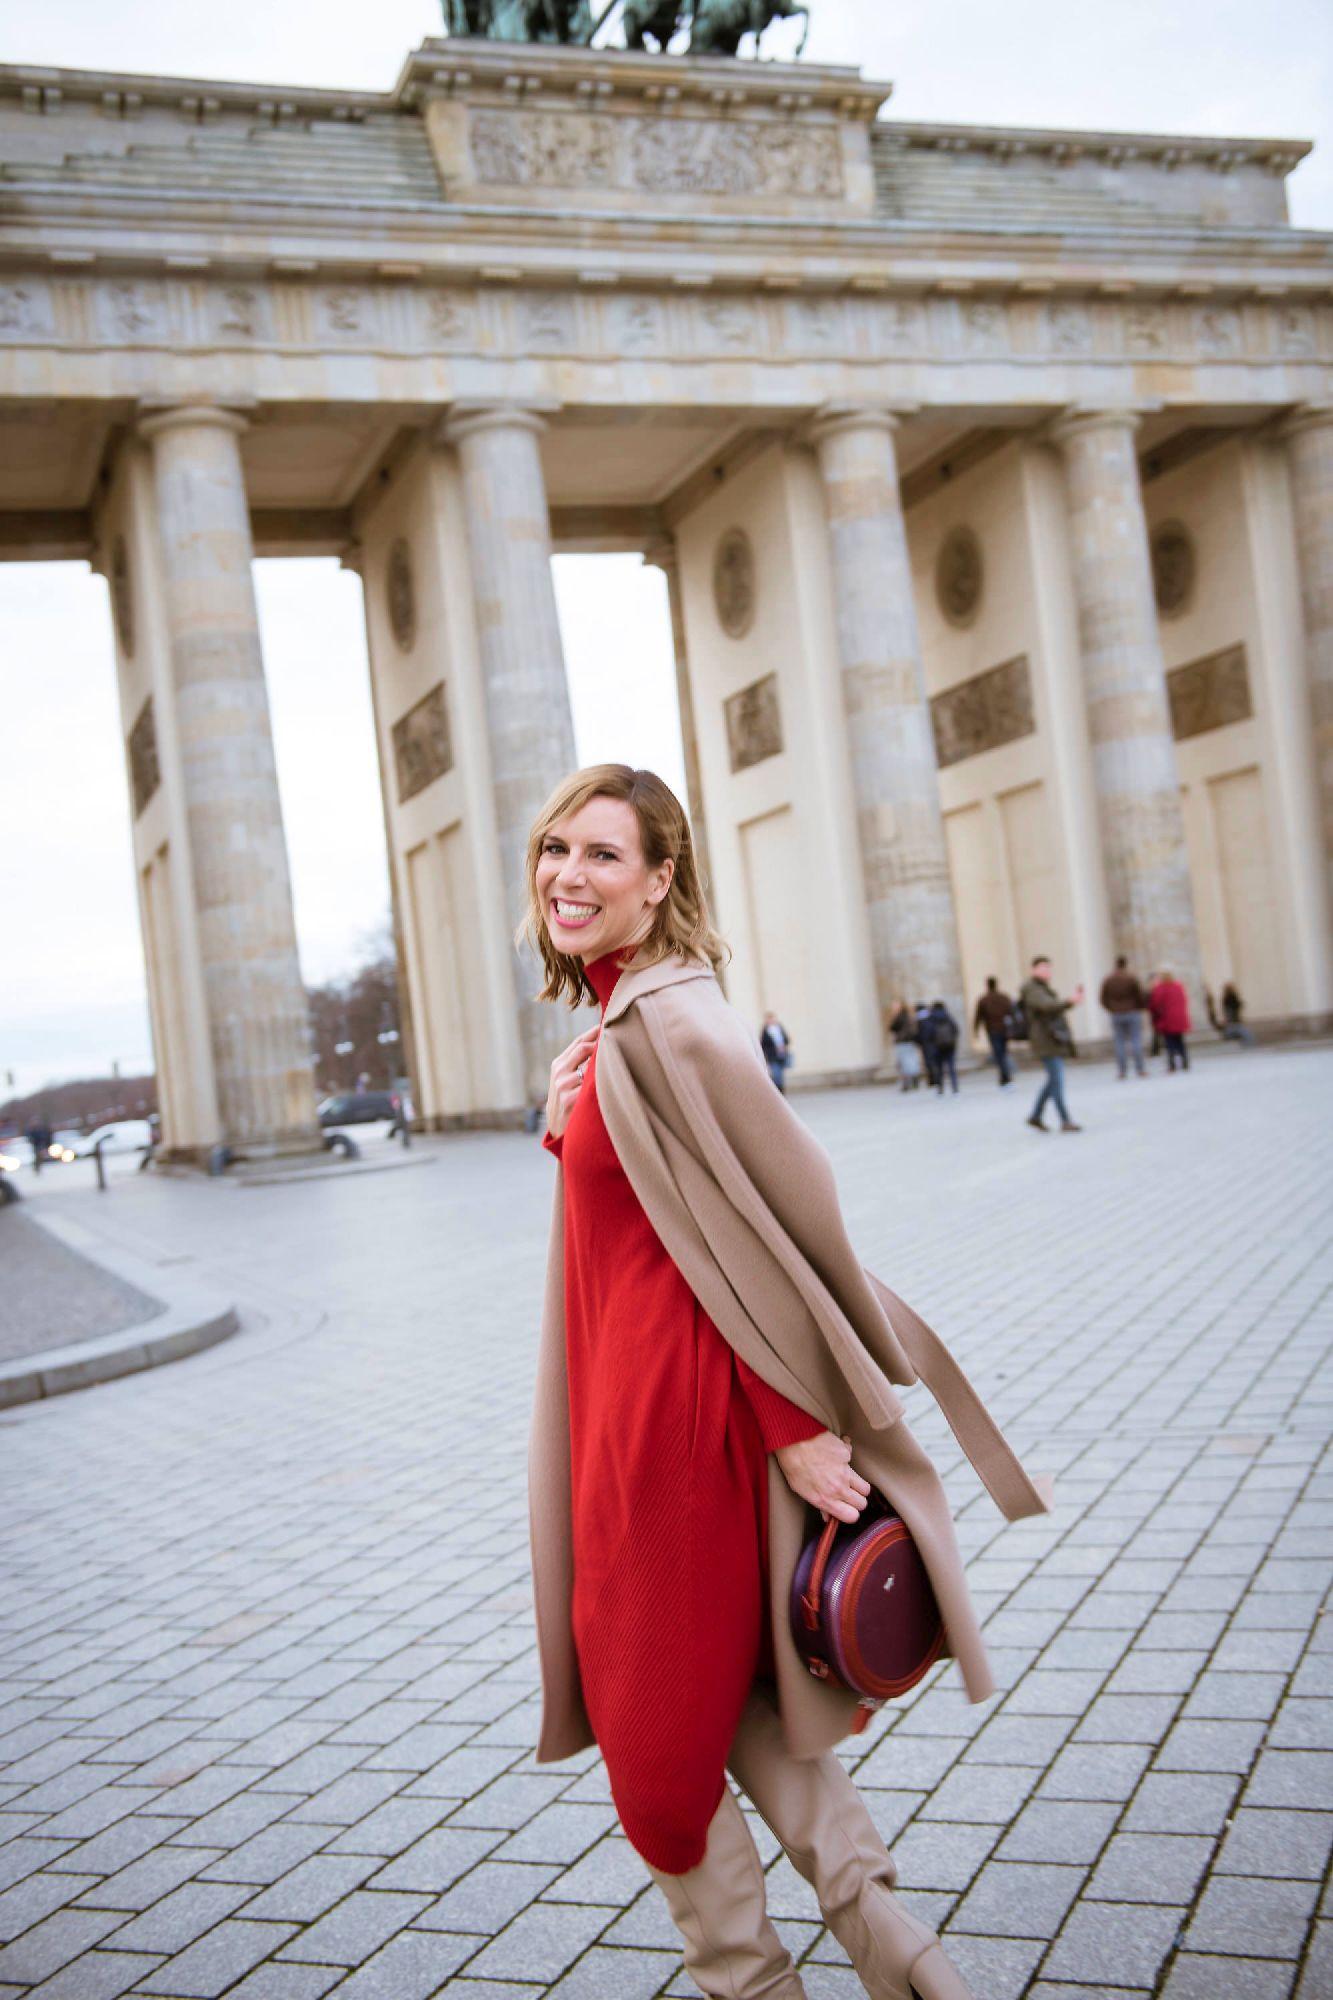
column 72, row 985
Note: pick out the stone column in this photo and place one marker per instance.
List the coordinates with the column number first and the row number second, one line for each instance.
column 529, row 726
column 1309, row 435
column 913, row 932
column 256, row 1005
column 662, row 555
column 1124, row 696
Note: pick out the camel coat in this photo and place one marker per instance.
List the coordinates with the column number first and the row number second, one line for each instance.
column 743, row 1198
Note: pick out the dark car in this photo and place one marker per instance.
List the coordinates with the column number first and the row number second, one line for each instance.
column 362, row 1114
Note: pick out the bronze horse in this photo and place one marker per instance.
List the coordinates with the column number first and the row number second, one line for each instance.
column 719, row 25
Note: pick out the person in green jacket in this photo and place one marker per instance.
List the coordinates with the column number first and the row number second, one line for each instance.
column 1050, row 1040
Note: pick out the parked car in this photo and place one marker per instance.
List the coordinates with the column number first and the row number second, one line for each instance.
column 123, row 1135
column 362, row 1115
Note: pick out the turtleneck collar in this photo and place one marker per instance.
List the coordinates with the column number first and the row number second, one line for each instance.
column 603, row 972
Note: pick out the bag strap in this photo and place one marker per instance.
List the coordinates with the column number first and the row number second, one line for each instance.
column 812, row 1597
column 1015, row 1492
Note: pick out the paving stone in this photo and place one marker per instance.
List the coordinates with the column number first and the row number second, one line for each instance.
column 560, row 1833
column 981, row 1792
column 148, row 1879
column 610, row 1873
column 313, row 1887
column 268, row 1855
column 181, row 1917
column 1197, row 1976
column 1316, row 1976
column 628, row 1974
column 95, row 1975
column 1058, row 1830
column 437, row 1861
column 1095, row 1771
column 1111, row 1943
column 1303, row 1725
column 53, row 1942
column 1127, row 1718
column 217, row 1961
column 1268, row 1841
column 412, row 1966
column 1235, row 1696
column 941, row 1854
column 357, row 1926
column 1018, row 1899
column 391, row 1828
column 1018, row 1739
column 1151, row 1868
column 38, row 1896
column 999, row 1968
column 542, row 1943
column 1210, row 1746
column 1291, row 1778
column 1181, row 1802
column 288, row 1982
column 490, row 1896
column 1242, row 1916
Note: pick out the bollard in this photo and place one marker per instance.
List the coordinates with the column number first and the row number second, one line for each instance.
column 101, row 1170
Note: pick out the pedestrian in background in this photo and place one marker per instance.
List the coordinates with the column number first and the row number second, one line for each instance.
column 906, row 1047
column 1124, row 1000
column 944, row 1038
column 925, row 1034
column 777, row 1049
column 993, row 1015
column 1169, row 1005
column 1232, row 1026
column 1051, row 1041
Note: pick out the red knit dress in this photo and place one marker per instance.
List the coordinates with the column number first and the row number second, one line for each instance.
column 669, row 1432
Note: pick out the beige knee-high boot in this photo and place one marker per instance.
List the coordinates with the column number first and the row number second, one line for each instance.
column 822, row 1821
column 732, row 1951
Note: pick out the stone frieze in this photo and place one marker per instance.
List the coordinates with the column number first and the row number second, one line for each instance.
column 656, row 155
column 611, row 323
column 983, row 712
column 1209, row 693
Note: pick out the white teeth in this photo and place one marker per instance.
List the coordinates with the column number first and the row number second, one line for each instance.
column 575, row 910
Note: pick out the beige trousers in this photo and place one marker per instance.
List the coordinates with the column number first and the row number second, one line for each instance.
column 731, row 1948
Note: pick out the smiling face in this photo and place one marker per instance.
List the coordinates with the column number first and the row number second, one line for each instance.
column 596, row 892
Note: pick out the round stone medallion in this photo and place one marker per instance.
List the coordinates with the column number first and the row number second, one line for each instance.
column 400, row 592
column 1174, row 566
column 734, row 583
column 122, row 596
column 959, row 576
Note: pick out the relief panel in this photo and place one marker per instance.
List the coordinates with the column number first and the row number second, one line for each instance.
column 979, row 714
column 1209, row 693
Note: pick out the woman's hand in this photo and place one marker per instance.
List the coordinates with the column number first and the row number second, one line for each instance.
column 820, row 1470
column 567, row 1080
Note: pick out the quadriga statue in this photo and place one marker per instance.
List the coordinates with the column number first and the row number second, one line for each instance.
column 716, row 27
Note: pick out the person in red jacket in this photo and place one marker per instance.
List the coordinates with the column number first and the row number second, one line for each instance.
column 1169, row 1005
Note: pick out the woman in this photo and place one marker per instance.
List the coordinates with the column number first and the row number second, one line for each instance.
column 906, row 1047
column 1169, row 1005
column 713, row 1359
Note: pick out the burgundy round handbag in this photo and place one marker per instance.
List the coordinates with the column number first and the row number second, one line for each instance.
column 863, row 1611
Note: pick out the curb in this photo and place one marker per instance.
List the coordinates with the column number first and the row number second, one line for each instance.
column 191, row 1320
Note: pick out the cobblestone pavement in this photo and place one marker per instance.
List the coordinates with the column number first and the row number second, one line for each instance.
column 267, row 1660
column 50, row 1295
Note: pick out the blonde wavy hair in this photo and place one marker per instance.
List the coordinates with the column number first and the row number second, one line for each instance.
column 680, row 922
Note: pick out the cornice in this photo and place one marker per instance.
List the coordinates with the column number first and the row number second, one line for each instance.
column 1161, row 149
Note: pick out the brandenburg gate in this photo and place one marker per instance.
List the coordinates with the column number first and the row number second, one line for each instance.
column 991, row 471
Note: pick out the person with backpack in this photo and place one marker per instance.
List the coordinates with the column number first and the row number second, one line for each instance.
column 944, row 1040
column 995, row 1013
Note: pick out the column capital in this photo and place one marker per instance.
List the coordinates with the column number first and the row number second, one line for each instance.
column 467, row 419
column 663, row 555
column 835, row 419
column 1079, row 422
column 156, row 415
column 1305, row 417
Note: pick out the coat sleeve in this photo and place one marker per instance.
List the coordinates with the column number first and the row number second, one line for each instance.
column 780, row 1420
column 553, row 1143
